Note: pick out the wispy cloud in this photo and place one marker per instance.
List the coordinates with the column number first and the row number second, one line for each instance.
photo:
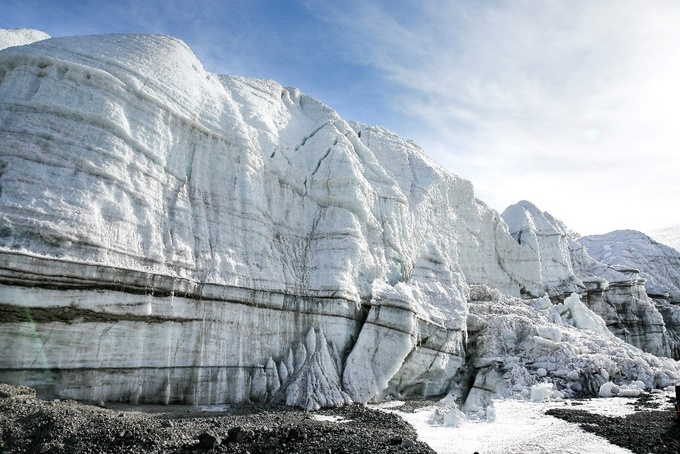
column 570, row 104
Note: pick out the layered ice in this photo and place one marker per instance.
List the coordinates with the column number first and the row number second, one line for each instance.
column 535, row 349
column 658, row 264
column 185, row 212
column 172, row 235
column 626, row 278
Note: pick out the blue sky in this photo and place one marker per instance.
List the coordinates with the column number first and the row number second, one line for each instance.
column 571, row 104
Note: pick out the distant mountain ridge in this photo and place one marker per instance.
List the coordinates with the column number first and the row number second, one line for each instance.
column 659, row 264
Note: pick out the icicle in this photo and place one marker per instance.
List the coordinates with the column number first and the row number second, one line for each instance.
column 300, row 356
column 283, row 372
column 290, row 363
column 311, row 341
column 273, row 382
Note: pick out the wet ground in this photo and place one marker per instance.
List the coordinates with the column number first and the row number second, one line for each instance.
column 653, row 428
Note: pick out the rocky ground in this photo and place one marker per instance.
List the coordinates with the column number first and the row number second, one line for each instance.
column 653, row 428
column 31, row 425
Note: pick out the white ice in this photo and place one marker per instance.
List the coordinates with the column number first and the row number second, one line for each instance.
column 519, row 427
column 249, row 243
column 20, row 36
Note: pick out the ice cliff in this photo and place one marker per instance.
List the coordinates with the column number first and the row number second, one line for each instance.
column 627, row 278
column 172, row 235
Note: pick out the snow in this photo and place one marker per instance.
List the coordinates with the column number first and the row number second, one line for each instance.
column 329, row 418
column 20, row 36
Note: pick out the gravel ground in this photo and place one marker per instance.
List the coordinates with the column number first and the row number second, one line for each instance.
column 31, row 425
column 653, row 428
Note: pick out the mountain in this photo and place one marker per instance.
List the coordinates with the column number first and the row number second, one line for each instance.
column 659, row 265
column 172, row 235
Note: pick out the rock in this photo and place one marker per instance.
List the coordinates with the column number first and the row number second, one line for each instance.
column 207, row 441
column 238, row 434
column 407, row 443
column 295, row 433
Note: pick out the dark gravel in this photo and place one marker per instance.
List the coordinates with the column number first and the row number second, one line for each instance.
column 31, row 425
column 653, row 428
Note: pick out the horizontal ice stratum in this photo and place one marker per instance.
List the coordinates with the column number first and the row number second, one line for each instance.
column 172, row 235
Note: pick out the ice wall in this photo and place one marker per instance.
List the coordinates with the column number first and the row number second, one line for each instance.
column 625, row 277
column 184, row 230
column 172, row 235
column 646, row 301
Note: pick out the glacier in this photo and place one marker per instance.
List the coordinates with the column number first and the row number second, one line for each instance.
column 19, row 37
column 172, row 235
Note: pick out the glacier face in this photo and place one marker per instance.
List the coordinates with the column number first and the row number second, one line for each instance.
column 176, row 170
column 627, row 278
column 172, row 235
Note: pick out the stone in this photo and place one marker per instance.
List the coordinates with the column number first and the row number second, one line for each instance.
column 238, row 434
column 207, row 441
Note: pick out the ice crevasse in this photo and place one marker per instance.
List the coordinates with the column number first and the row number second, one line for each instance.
column 172, row 235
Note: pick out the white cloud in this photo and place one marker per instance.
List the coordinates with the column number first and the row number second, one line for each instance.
column 569, row 104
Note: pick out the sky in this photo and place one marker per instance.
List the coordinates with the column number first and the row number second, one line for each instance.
column 573, row 105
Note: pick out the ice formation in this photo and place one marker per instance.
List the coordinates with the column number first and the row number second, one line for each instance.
column 625, row 277
column 19, row 37
column 172, row 235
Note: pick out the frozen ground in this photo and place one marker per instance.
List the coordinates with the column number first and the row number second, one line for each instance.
column 519, row 427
